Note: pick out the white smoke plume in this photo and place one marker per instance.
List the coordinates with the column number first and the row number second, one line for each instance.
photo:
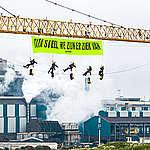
column 8, row 78
column 74, row 103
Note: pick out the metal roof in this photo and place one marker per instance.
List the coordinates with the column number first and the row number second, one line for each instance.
column 127, row 119
column 12, row 100
column 38, row 125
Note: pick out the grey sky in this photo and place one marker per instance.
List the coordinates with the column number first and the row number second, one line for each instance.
column 117, row 55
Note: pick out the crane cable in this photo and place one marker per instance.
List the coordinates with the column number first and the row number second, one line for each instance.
column 130, row 69
column 7, row 11
column 82, row 13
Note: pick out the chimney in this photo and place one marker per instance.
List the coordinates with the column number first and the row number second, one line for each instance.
column 28, row 112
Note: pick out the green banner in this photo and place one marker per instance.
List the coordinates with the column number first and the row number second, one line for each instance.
column 66, row 46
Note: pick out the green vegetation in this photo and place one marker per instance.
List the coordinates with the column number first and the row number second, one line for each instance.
column 108, row 146
column 120, row 146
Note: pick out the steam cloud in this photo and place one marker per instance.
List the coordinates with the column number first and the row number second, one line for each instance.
column 8, row 78
column 74, row 103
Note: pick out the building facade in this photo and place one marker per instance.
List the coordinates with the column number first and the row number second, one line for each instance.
column 12, row 116
column 71, row 133
column 126, row 120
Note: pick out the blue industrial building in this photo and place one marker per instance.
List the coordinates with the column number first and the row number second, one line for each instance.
column 15, row 112
column 14, row 115
column 126, row 120
column 90, row 130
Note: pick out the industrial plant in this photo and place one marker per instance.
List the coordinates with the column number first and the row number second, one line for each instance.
column 127, row 119
column 27, row 122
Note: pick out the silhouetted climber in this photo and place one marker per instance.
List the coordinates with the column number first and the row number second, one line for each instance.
column 71, row 66
column 52, row 68
column 89, row 80
column 31, row 72
column 32, row 62
column 71, row 76
column 101, row 72
column 88, row 71
column 52, row 74
column 31, row 65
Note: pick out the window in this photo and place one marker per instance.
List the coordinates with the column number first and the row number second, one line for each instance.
column 144, row 108
column 133, row 108
column 45, row 136
column 123, row 108
column 111, row 108
column 40, row 136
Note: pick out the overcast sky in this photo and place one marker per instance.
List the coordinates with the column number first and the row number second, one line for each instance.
column 118, row 56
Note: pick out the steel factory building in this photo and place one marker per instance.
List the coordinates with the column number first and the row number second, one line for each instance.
column 126, row 120
column 20, row 120
column 14, row 116
column 25, row 123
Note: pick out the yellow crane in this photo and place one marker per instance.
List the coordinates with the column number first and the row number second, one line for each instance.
column 18, row 25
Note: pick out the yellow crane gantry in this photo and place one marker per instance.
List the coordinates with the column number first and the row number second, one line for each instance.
column 31, row 26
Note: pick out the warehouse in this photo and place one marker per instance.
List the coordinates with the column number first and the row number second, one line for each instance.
column 126, row 120
column 12, row 117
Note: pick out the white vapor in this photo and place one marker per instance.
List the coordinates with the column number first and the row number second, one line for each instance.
column 74, row 103
column 8, row 78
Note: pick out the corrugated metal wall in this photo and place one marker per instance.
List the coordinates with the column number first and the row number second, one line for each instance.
column 12, row 118
column 1, row 125
column 33, row 110
column 11, row 125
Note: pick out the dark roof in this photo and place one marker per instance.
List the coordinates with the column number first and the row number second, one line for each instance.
column 12, row 100
column 38, row 125
column 127, row 99
column 127, row 119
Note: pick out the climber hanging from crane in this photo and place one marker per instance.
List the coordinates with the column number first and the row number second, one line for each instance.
column 32, row 62
column 71, row 66
column 101, row 72
column 89, row 71
column 52, row 68
column 30, row 66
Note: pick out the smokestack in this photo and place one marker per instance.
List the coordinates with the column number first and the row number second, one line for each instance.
column 28, row 112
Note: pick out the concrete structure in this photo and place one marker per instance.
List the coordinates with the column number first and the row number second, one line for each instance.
column 71, row 133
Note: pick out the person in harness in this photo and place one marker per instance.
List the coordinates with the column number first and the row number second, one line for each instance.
column 52, row 68
column 32, row 62
column 101, row 72
column 30, row 66
column 71, row 66
column 89, row 70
